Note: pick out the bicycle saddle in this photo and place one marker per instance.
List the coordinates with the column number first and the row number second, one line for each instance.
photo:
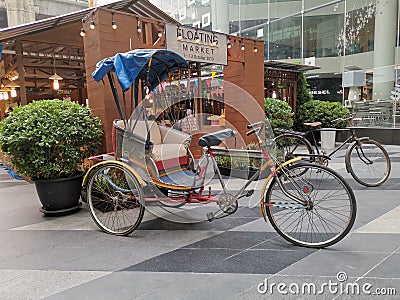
column 215, row 138
column 313, row 124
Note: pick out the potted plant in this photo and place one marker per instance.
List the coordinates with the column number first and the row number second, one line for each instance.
column 240, row 167
column 279, row 113
column 321, row 111
column 47, row 141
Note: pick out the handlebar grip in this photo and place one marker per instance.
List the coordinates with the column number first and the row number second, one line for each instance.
column 250, row 132
column 254, row 124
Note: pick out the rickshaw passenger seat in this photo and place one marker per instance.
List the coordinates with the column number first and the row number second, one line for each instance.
column 216, row 138
column 169, row 146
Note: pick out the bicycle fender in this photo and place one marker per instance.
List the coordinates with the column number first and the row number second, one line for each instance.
column 267, row 181
column 347, row 156
column 122, row 164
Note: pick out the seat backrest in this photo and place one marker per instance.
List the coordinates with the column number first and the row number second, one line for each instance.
column 141, row 130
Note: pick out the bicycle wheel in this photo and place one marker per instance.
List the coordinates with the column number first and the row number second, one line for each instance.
column 368, row 162
column 290, row 145
column 328, row 210
column 115, row 199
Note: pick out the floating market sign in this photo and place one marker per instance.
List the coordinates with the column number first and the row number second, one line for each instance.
column 197, row 45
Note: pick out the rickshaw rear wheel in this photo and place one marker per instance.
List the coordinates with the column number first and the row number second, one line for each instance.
column 115, row 198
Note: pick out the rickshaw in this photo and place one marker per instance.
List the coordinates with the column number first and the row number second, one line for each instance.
column 153, row 169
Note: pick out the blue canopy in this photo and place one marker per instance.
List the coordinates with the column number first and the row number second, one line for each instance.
column 134, row 65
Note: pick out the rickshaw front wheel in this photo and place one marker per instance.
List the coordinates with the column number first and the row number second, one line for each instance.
column 115, row 198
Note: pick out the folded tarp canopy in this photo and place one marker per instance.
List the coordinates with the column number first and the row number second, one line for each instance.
column 150, row 65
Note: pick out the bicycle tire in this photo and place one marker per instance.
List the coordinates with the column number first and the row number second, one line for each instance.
column 115, row 199
column 332, row 201
column 368, row 162
column 290, row 145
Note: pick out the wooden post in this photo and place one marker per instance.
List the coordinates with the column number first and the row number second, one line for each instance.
column 21, row 72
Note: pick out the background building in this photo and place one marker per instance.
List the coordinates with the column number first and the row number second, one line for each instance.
column 16, row 12
column 355, row 42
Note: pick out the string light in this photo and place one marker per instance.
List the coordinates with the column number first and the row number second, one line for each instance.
column 139, row 30
column 82, row 34
column 113, row 23
column 92, row 24
column 228, row 44
column 255, row 50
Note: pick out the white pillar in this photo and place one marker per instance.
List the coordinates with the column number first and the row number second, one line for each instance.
column 220, row 15
column 384, row 49
column 20, row 12
column 353, row 94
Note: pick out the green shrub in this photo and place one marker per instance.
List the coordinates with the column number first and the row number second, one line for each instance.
column 303, row 91
column 50, row 138
column 279, row 113
column 322, row 111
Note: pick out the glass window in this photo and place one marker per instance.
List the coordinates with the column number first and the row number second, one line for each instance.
column 322, row 31
column 285, row 38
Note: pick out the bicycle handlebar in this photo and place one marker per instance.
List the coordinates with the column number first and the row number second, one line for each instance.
column 255, row 124
column 344, row 119
column 250, row 132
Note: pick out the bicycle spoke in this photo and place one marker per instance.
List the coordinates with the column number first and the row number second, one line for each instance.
column 328, row 215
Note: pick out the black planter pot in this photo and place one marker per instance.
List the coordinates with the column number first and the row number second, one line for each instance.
column 239, row 173
column 59, row 196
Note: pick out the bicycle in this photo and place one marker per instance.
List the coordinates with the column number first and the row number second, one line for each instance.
column 315, row 209
column 366, row 160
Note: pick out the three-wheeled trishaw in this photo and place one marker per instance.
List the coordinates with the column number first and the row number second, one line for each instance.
column 153, row 169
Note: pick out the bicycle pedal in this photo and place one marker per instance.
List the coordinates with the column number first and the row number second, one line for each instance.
column 249, row 193
column 210, row 217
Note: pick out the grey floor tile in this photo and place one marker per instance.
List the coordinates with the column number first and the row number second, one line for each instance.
column 372, row 242
column 258, row 261
column 389, row 268
column 143, row 285
column 330, row 263
column 184, row 260
column 234, row 240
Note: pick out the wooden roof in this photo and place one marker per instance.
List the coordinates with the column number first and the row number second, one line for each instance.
column 142, row 8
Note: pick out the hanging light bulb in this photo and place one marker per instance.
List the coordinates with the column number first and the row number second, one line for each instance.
column 113, row 23
column 92, row 24
column 139, row 30
column 82, row 34
column 242, row 47
column 228, row 44
column 56, row 78
column 255, row 50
